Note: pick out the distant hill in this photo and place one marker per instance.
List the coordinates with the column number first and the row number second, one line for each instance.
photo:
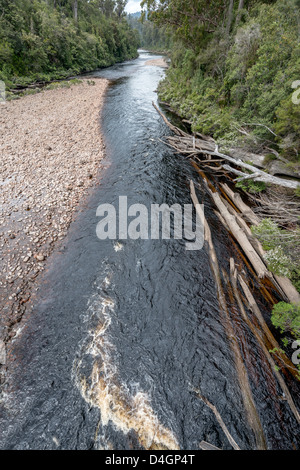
column 134, row 15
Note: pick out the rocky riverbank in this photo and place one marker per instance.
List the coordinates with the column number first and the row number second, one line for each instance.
column 158, row 62
column 50, row 152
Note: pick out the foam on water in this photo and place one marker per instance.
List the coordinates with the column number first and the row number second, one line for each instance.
column 103, row 389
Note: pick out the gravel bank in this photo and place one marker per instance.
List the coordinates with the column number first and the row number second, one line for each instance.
column 50, row 153
column 157, row 62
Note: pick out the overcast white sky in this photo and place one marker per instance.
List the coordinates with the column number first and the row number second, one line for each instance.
column 133, row 6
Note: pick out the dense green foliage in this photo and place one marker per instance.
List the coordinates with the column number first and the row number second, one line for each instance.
column 43, row 39
column 286, row 317
column 151, row 36
column 282, row 249
column 233, row 69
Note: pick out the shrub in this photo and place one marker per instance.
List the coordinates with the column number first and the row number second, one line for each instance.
column 286, row 317
column 251, row 186
column 282, row 249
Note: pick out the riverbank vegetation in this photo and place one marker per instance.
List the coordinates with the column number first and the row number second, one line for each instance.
column 151, row 36
column 235, row 67
column 45, row 40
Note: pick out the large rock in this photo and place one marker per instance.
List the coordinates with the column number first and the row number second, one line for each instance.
column 274, row 168
column 256, row 160
column 2, row 352
column 277, row 167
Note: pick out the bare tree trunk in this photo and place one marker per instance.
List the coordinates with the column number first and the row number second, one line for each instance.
column 241, row 5
column 75, row 10
column 238, row 16
column 229, row 17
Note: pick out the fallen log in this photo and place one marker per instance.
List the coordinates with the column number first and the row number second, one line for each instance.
column 233, row 277
column 255, row 260
column 207, row 446
column 241, row 371
column 246, row 211
column 175, row 129
column 243, row 225
column 255, row 309
column 190, row 144
column 248, row 400
column 288, row 288
column 219, row 419
column 282, row 284
column 261, row 175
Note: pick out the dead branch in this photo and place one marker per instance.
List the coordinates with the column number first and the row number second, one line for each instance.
column 256, row 261
column 247, row 177
column 207, row 446
column 233, row 277
column 245, row 210
column 281, row 207
column 261, row 125
column 218, row 417
column 283, row 285
column 251, row 411
column 187, row 144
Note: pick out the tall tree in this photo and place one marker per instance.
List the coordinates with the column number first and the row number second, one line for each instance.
column 75, row 9
column 107, row 7
column 190, row 19
column 120, row 8
column 229, row 17
column 239, row 12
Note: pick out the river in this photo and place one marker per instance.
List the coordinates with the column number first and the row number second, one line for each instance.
column 123, row 332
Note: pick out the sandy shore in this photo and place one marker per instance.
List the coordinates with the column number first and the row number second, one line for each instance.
column 50, row 153
column 158, row 62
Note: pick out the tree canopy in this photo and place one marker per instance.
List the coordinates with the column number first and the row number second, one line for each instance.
column 61, row 37
column 234, row 66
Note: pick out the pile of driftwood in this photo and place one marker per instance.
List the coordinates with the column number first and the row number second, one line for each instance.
column 236, row 217
column 237, row 287
column 234, row 214
column 193, row 146
column 283, row 208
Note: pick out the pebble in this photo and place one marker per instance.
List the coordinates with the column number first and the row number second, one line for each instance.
column 40, row 190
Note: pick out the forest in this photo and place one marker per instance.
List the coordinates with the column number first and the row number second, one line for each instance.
column 235, row 66
column 53, row 39
column 151, row 36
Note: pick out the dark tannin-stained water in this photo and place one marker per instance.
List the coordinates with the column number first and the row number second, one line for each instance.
column 122, row 332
